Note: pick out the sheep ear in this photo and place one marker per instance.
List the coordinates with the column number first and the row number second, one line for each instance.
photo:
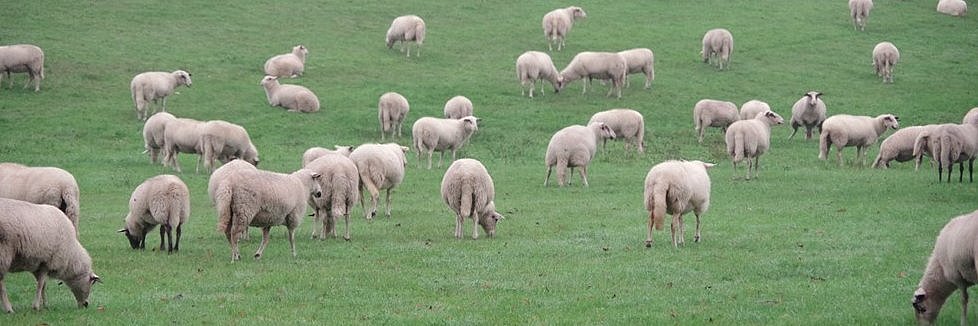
column 500, row 216
column 708, row 165
column 405, row 149
column 94, row 278
column 316, row 175
column 121, row 231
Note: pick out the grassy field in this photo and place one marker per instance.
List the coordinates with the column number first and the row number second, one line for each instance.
column 807, row 242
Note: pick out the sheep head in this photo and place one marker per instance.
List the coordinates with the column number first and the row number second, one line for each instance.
column 183, row 77
column 890, row 121
column 137, row 240
column 813, row 97
column 268, row 80
column 577, row 12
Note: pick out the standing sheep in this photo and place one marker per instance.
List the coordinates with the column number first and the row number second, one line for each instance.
column 41, row 185
column 434, row 134
column 558, row 22
column 676, row 187
column 182, row 135
column 313, row 153
column 885, row 56
column 153, row 134
column 153, row 86
column 717, row 47
column 381, row 167
column 295, row 98
column 458, row 107
column 224, row 173
column 751, row 108
column 22, row 58
column 640, row 60
column 952, row 7
column 627, row 124
column 750, row 139
column 809, row 111
column 162, row 200
column 843, row 130
column 713, row 113
column 595, row 65
column 949, row 144
column 224, row 141
column 859, row 12
column 391, row 111
column 405, row 29
column 289, row 64
column 468, row 191
column 574, row 146
column 899, row 146
column 340, row 183
column 535, row 65
column 951, row 267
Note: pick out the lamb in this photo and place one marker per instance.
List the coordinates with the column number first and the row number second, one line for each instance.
column 289, row 64
column 340, row 183
column 39, row 239
column 405, row 29
column 951, row 267
column 22, row 58
column 162, row 200
column 574, row 146
column 885, row 56
column 535, row 65
column 458, row 107
column 676, row 187
column 952, row 7
column 843, row 130
column 155, row 86
column 971, row 117
column 751, row 108
column 153, row 134
column 949, row 144
column 640, row 60
column 558, row 22
column 595, row 65
column 313, row 153
column 713, row 113
column 222, row 140
column 717, row 47
column 182, row 135
column 809, row 111
column 41, row 185
column 381, row 167
column 899, row 146
column 750, row 139
column 468, row 191
column 295, row 98
column 391, row 111
column 859, row 11
column 434, row 134
column 626, row 123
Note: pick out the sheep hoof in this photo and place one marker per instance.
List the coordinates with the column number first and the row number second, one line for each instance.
column 696, row 239
column 346, row 238
column 648, row 244
column 257, row 256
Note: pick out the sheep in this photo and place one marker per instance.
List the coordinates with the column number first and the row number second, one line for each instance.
column 289, row 64
column 535, row 65
column 713, row 113
column 182, row 135
column 951, row 267
column 750, row 139
column 859, row 11
column 558, row 22
column 153, row 134
column 222, row 140
column 313, row 153
column 595, row 65
column 223, row 173
column 751, row 108
column 162, row 200
column 952, row 7
column 574, row 146
column 640, row 60
column 809, row 111
column 294, row 98
column 458, row 107
column 340, row 183
column 899, row 146
column 949, row 144
column 263, row 199
column 434, row 134
column 22, row 58
column 843, row 130
column 381, row 167
column 391, row 111
column 971, row 117
column 409, row 28
column 38, row 239
column 718, row 45
column 468, row 191
column 155, row 86
column 627, row 124
column 885, row 56
column 676, row 187
column 41, row 185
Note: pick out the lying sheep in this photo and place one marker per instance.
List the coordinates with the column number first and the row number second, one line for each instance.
column 468, row 191
column 713, row 113
column 676, row 187
column 899, row 146
column 750, row 139
column 289, row 64
column 595, row 65
column 405, row 29
column 949, row 144
column 38, row 239
column 340, row 183
column 885, row 56
column 535, row 65
column 627, row 124
column 951, row 267
column 809, row 111
column 843, row 130
column 971, row 117
column 952, row 7
column 574, row 146
column 717, row 47
column 751, row 108
column 434, row 134
column 391, row 111
column 155, row 86
column 859, row 11
column 640, row 60
column 41, row 185
column 295, row 98
column 558, row 22
column 162, row 200
column 458, row 107
column 22, row 58
column 313, row 153
column 381, row 167
column 153, row 134
column 182, row 135
column 224, row 141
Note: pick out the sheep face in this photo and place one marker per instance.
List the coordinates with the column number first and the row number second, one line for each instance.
column 268, row 80
column 578, row 12
column 891, row 121
column 813, row 98
column 924, row 310
column 300, row 50
column 81, row 287
column 316, row 190
column 137, row 239
column 183, row 77
column 470, row 122
column 605, row 131
column 773, row 117
column 488, row 220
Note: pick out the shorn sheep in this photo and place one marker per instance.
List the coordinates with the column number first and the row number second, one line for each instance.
column 749, row 139
column 458, row 107
column 595, row 65
column 627, row 124
column 951, row 267
column 809, row 111
column 751, row 108
column 224, row 141
column 340, row 183
column 182, row 135
column 859, row 12
column 843, row 130
column 381, row 167
column 22, row 58
column 717, row 47
column 162, row 200
column 952, row 7
column 392, row 108
column 899, row 146
column 435, row 134
column 289, row 64
column 294, row 98
column 558, row 22
column 640, row 60
column 574, row 146
column 713, row 113
column 41, row 185
column 532, row 66
column 468, row 191
column 949, row 144
column 406, row 29
column 39, row 239
column 885, row 56
column 313, row 153
column 153, row 134
column 153, row 86
column 676, row 187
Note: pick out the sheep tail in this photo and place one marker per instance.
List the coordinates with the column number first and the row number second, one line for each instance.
column 69, row 205
column 823, row 144
column 660, row 191
column 419, row 30
column 738, row 154
column 224, row 204
column 918, row 148
column 466, row 206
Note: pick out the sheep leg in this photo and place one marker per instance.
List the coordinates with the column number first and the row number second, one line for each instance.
column 346, row 219
column 176, row 246
column 648, row 237
column 430, row 152
column 682, row 229
column 794, row 130
column 39, row 299
column 374, row 196
column 808, row 132
column 696, row 238
column 964, row 306
column 388, row 211
column 233, row 236
column 838, row 153
column 291, row 232
column 3, row 296
column 561, row 172
column 317, row 219
column 960, row 171
column 583, row 172
column 162, row 236
column 971, row 167
column 547, row 180
column 264, row 242
column 458, row 225
column 672, row 229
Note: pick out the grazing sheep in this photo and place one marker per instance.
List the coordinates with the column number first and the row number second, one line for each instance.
column 951, row 267
column 22, row 58
column 535, row 65
column 558, row 22
column 405, row 29
column 38, row 239
column 843, row 130
column 162, row 200
column 574, row 146
column 718, row 45
column 224, row 141
column 713, row 113
column 391, row 111
column 627, row 124
column 751, row 108
column 263, row 199
column 809, row 111
column 971, row 117
column 182, row 135
column 289, row 64
column 434, row 134
column 885, row 56
column 750, row 139
column 952, row 7
column 155, row 86
column 640, row 60
column 340, row 183
column 381, row 167
column 458, row 107
column 468, row 191
column 676, row 187
column 899, row 146
column 295, row 98
column 949, row 144
column 859, row 11
column 153, row 134
column 313, row 153
column 41, row 185
column 595, row 65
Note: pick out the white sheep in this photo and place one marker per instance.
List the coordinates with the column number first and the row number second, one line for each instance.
column 222, row 173
column 843, row 130
column 676, row 187
column 751, row 108
column 718, row 45
column 381, row 167
column 435, row 134
column 41, row 185
column 295, row 98
column 468, row 190
column 155, row 86
column 859, row 12
column 153, row 134
column 750, row 139
column 22, row 58
column 640, row 60
column 182, row 135
column 627, row 124
column 409, row 28
column 535, row 65
column 458, row 107
column 558, row 22
column 313, row 153
column 952, row 7
column 289, row 64
column 574, row 146
column 162, row 200
column 951, row 267
column 713, row 113
column 224, row 141
column 38, row 239
column 595, row 65
column 971, row 117
column 340, row 183
column 392, row 108
column 900, row 145
column 809, row 111
column 885, row 56
column 949, row 144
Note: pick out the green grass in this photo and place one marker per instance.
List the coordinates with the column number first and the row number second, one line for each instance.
column 806, row 243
